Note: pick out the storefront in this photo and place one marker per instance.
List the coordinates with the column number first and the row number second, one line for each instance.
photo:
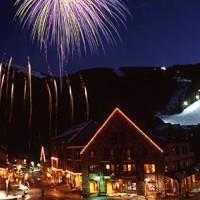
column 171, row 187
column 179, row 183
column 121, row 186
column 98, row 183
column 73, row 179
column 94, row 188
column 3, row 176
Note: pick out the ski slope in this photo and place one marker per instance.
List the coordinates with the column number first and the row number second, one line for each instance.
column 189, row 116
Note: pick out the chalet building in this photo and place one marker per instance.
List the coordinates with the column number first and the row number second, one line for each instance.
column 120, row 157
column 179, row 171
column 66, row 148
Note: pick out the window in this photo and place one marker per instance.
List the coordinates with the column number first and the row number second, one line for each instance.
column 128, row 169
column 117, row 169
column 131, row 186
column 149, row 168
column 124, row 168
column 77, row 155
column 166, row 168
column 151, row 186
column 92, row 168
column 115, row 185
column 112, row 153
column 112, row 168
column 128, row 153
column 91, row 154
column 174, row 149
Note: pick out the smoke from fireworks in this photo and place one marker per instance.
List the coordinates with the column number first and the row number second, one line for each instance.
column 72, row 26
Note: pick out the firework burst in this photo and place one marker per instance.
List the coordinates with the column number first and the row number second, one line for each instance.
column 72, row 26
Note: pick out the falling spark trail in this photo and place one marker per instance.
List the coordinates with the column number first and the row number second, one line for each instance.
column 86, row 96
column 30, row 94
column 7, row 77
column 49, row 107
column 87, row 102
column 0, row 71
column 55, row 86
column 11, row 97
column 71, row 98
column 0, row 80
column 11, row 102
column 25, row 90
column 56, row 103
column 1, row 85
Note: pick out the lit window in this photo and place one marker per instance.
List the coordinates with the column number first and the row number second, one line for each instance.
column 149, row 168
column 129, row 168
column 124, row 168
column 92, row 167
column 107, row 166
column 131, row 186
column 166, row 168
column 115, row 186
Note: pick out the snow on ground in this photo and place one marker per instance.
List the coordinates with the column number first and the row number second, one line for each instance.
column 189, row 116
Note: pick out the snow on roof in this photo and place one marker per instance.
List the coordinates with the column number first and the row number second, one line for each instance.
column 72, row 132
column 25, row 71
column 189, row 116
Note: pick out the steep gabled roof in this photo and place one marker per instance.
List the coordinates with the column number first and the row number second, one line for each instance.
column 118, row 111
column 79, row 135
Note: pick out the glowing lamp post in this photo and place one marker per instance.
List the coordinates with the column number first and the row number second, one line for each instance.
column 185, row 103
column 32, row 163
column 7, row 183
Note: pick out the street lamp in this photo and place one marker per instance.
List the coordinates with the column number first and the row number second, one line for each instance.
column 32, row 163
column 7, row 182
column 185, row 103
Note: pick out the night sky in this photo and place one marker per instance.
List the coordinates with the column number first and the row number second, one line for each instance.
column 160, row 32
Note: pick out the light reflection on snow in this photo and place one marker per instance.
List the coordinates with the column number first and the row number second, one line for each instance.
column 189, row 116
